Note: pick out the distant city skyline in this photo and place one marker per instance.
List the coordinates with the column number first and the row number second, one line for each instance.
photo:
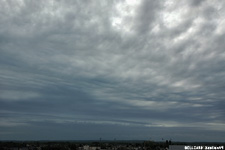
column 125, row 70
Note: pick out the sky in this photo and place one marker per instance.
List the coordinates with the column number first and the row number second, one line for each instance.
column 117, row 69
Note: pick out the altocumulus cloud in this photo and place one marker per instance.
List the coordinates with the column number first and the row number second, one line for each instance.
column 113, row 69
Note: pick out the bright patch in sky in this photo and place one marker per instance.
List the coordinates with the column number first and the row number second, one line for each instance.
column 124, row 15
column 172, row 15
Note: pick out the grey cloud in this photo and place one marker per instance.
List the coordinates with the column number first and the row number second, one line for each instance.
column 147, row 14
column 66, row 61
column 196, row 2
column 106, row 132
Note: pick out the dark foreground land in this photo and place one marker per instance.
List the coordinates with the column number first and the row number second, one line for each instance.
column 102, row 145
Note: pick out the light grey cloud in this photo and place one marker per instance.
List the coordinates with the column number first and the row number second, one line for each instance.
column 143, row 64
column 17, row 95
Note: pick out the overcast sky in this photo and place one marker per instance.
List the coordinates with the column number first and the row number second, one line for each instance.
column 85, row 69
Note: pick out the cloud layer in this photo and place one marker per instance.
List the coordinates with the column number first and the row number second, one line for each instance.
column 112, row 69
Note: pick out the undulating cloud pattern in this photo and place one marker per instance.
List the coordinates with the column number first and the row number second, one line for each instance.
column 124, row 69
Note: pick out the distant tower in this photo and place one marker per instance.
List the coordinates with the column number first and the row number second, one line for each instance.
column 170, row 141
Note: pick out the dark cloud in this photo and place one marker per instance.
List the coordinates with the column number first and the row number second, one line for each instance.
column 196, row 2
column 117, row 69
